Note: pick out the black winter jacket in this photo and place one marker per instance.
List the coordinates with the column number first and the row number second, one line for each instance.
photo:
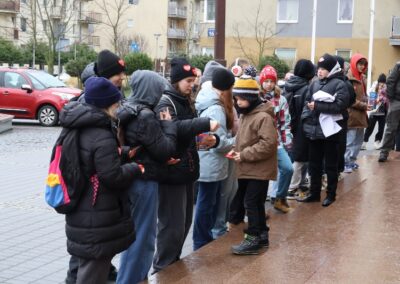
column 393, row 83
column 296, row 91
column 189, row 125
column 156, row 138
column 100, row 228
column 334, row 86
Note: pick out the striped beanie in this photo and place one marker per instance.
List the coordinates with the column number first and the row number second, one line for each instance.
column 247, row 88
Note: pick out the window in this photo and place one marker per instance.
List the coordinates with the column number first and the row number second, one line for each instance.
column 23, row 24
column 288, row 11
column 344, row 53
column 345, row 11
column 130, row 23
column 287, row 54
column 133, row 2
column 209, row 10
column 13, row 80
column 207, row 51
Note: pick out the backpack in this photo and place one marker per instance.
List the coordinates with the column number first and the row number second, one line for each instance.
column 65, row 180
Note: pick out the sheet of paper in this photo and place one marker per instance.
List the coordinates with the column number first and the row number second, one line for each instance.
column 328, row 124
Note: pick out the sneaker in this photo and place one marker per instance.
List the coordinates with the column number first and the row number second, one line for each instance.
column 383, row 157
column 302, row 194
column 281, row 204
column 377, row 144
column 355, row 166
column 310, row 198
column 292, row 194
column 348, row 169
column 250, row 245
column 364, row 146
column 340, row 177
column 264, row 239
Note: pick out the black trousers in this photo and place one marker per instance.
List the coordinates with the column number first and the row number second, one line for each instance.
column 342, row 147
column 93, row 271
column 236, row 210
column 321, row 151
column 372, row 120
column 254, row 199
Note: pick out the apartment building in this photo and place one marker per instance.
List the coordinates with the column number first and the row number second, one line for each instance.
column 71, row 21
column 342, row 28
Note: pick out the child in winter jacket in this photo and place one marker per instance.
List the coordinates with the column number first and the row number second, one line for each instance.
column 272, row 93
column 323, row 145
column 255, row 154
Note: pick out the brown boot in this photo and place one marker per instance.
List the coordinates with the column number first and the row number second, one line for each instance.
column 281, row 205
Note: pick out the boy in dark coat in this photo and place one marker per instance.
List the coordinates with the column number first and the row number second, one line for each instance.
column 324, row 148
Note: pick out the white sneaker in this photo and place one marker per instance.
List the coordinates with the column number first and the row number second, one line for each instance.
column 377, row 145
column 364, row 146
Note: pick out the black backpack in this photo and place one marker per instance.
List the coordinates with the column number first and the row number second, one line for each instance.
column 66, row 180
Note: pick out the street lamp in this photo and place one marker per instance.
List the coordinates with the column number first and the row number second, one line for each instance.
column 157, row 35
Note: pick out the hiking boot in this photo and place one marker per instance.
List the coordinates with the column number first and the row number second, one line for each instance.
column 281, row 204
column 383, row 157
column 310, row 198
column 250, row 245
column 264, row 239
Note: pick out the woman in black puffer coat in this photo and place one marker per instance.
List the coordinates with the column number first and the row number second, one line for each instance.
column 176, row 187
column 100, row 226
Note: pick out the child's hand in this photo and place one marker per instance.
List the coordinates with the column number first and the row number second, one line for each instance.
column 165, row 115
column 233, row 155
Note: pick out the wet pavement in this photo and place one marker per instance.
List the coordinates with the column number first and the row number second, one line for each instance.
column 358, row 230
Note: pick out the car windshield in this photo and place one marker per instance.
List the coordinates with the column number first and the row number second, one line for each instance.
column 45, row 79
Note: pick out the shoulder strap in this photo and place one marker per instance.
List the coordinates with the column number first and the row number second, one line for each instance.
column 168, row 98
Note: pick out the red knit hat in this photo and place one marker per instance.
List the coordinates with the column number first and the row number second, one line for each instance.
column 268, row 72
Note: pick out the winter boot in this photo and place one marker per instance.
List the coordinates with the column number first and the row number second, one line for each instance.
column 281, row 204
column 250, row 245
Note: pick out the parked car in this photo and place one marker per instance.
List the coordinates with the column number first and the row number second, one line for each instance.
column 33, row 94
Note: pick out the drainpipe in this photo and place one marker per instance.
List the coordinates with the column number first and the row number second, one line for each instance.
column 314, row 28
column 371, row 43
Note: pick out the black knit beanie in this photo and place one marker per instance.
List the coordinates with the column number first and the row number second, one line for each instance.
column 100, row 92
column 223, row 79
column 181, row 69
column 382, row 78
column 305, row 69
column 327, row 62
column 108, row 64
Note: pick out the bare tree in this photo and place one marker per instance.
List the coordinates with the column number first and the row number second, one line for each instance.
column 125, row 42
column 56, row 22
column 113, row 11
column 263, row 32
column 193, row 29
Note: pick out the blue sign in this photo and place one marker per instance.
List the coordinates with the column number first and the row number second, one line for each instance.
column 211, row 32
column 134, row 47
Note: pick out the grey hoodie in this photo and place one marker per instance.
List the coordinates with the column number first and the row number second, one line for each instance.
column 147, row 88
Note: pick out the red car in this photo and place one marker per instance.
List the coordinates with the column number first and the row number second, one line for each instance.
column 33, row 94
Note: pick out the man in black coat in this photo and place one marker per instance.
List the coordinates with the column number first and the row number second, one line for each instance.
column 393, row 115
column 324, row 148
column 155, row 141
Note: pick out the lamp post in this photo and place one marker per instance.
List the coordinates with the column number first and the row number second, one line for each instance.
column 157, row 35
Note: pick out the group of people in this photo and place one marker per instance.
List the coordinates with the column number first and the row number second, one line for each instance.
column 227, row 131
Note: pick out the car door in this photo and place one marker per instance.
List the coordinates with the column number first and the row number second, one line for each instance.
column 14, row 100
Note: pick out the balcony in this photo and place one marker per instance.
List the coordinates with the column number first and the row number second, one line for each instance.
column 90, row 18
column 395, row 34
column 176, row 11
column 176, row 34
column 91, row 40
column 10, row 34
column 9, row 6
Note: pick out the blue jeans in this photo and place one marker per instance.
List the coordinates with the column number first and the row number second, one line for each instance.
column 136, row 261
column 285, row 171
column 206, row 212
column 355, row 137
column 228, row 190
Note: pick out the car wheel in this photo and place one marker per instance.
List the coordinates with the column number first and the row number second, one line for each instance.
column 48, row 115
